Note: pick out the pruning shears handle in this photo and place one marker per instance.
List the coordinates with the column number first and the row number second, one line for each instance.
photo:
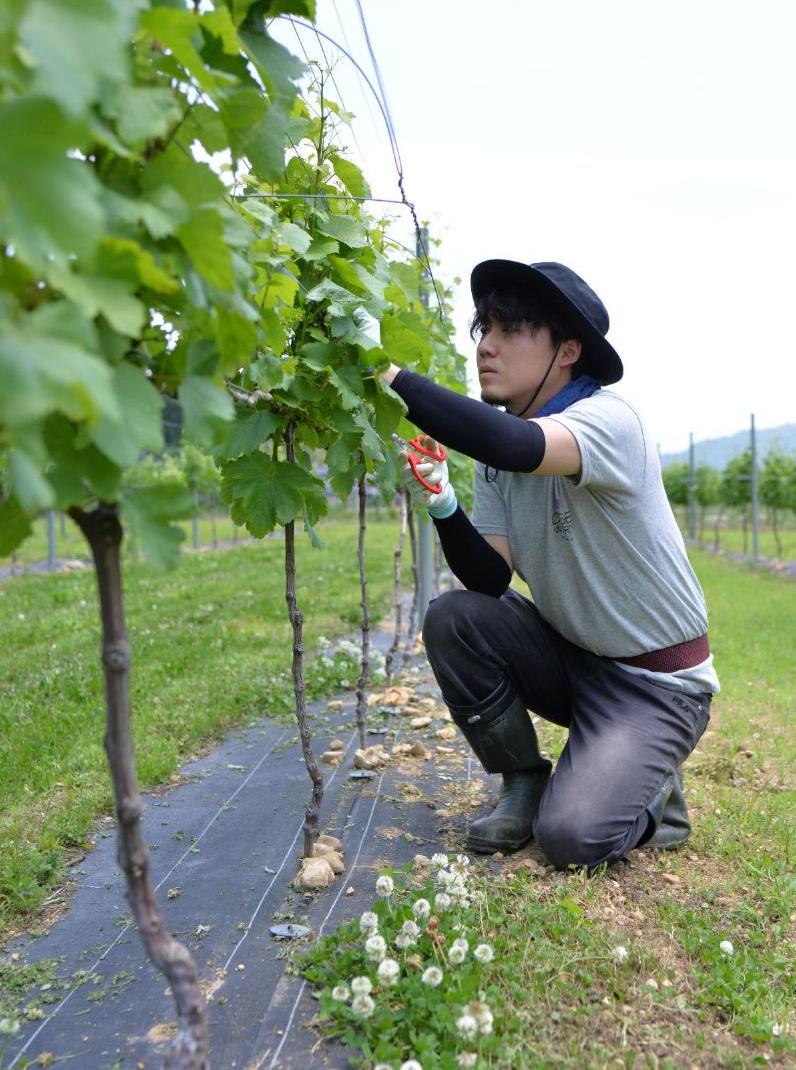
column 417, row 452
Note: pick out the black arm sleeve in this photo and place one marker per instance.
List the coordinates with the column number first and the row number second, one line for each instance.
column 472, row 427
column 472, row 560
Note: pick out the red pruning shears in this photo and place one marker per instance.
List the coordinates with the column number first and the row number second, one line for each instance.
column 416, row 453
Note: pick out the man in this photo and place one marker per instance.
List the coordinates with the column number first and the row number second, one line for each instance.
column 568, row 494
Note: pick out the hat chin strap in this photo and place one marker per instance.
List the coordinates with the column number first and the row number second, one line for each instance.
column 539, row 387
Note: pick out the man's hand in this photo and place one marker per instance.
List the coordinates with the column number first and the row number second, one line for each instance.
column 439, row 505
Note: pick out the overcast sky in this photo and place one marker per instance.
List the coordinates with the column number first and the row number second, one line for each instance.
column 650, row 147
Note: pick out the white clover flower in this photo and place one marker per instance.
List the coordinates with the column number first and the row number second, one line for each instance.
column 460, row 900
column 411, row 1064
column 482, row 1014
column 361, row 986
column 323, row 642
column 362, row 1006
column 462, row 860
column 776, row 1029
column 368, row 922
column 461, row 942
column 467, row 1026
column 432, row 976
column 9, row 1026
column 341, row 993
column 421, row 908
column 726, row 947
column 382, row 1066
column 484, row 953
column 456, row 956
column 376, row 947
column 388, row 972
column 442, row 902
column 411, row 929
column 439, row 860
column 402, row 941
column 466, row 1059
column 385, row 886
column 619, row 954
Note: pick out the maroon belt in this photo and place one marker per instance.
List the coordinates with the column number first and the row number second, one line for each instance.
column 672, row 658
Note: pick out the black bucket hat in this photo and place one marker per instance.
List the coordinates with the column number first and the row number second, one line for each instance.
column 561, row 288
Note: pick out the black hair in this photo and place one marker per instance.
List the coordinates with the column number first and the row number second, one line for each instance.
column 513, row 311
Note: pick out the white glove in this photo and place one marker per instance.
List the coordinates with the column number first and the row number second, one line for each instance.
column 440, row 505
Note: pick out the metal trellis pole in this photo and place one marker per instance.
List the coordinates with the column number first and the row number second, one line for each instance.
column 52, row 555
column 425, row 563
column 755, row 499
column 692, row 517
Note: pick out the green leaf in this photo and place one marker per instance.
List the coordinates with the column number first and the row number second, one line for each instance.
column 36, row 175
column 140, row 427
column 98, row 294
column 142, row 264
column 278, row 68
column 264, row 493
column 313, row 536
column 178, row 30
column 251, row 429
column 220, row 24
column 15, row 526
column 207, row 411
column 320, row 248
column 202, row 238
column 142, row 112
column 78, row 48
column 28, row 484
column 78, row 470
column 350, row 175
column 402, row 343
column 293, row 236
column 345, row 229
column 237, row 339
column 149, row 512
column 41, row 374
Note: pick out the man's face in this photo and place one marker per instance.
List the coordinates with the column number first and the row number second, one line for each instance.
column 511, row 366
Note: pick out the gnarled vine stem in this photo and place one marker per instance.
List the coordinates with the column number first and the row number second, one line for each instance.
column 189, row 1050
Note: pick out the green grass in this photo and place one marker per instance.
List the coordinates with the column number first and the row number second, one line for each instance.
column 211, row 648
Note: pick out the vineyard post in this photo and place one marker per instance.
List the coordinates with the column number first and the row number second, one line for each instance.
column 364, row 678
column 52, row 556
column 424, row 525
column 399, row 549
column 411, row 627
column 103, row 532
column 755, row 495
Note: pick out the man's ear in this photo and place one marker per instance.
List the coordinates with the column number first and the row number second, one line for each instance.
column 569, row 353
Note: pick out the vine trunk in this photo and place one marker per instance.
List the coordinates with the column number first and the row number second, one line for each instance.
column 189, row 1050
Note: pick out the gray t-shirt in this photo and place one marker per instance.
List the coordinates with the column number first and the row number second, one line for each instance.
column 601, row 552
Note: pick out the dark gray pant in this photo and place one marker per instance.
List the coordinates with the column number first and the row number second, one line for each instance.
column 626, row 734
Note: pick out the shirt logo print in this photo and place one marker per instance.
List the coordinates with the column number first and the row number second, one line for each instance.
column 562, row 518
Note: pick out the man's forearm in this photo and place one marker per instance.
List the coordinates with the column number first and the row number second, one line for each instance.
column 475, row 429
column 471, row 559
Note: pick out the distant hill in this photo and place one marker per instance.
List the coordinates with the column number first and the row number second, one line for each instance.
column 718, row 451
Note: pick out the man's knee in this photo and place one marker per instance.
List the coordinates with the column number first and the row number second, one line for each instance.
column 451, row 616
column 573, row 840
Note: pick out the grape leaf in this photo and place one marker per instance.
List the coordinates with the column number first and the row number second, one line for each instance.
column 77, row 47
column 35, row 175
column 150, row 512
column 14, row 526
column 140, row 427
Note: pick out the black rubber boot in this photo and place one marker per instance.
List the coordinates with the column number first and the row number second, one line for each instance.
column 670, row 813
column 502, row 735
column 510, row 825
